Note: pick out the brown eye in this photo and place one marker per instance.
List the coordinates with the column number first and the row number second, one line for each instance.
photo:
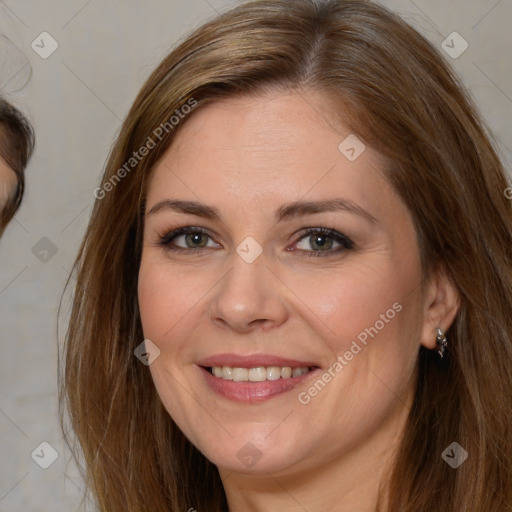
column 193, row 240
column 183, row 239
column 322, row 240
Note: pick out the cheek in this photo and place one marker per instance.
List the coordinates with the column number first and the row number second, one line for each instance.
column 372, row 318
column 167, row 295
column 169, row 298
column 340, row 304
column 157, row 299
column 350, row 301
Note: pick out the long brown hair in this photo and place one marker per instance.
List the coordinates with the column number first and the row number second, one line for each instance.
column 403, row 101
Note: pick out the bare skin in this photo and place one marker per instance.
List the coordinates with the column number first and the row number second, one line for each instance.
column 7, row 182
column 248, row 158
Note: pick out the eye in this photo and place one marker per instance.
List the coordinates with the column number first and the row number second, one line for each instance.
column 187, row 239
column 322, row 242
column 312, row 241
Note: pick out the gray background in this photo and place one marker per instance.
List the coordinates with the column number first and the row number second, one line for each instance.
column 76, row 100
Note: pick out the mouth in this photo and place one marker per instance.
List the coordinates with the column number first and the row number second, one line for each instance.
column 258, row 373
column 253, row 379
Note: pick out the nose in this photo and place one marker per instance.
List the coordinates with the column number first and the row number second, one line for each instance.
column 250, row 297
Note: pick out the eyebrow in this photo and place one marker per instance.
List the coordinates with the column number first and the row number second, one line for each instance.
column 296, row 209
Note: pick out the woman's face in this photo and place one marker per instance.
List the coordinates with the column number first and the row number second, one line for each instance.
column 7, row 183
column 297, row 254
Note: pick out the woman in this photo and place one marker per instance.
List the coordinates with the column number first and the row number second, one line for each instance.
column 304, row 219
column 16, row 147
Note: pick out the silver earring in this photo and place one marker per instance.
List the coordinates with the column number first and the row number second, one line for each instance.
column 441, row 342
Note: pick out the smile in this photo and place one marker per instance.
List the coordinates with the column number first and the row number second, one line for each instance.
column 259, row 373
column 254, row 379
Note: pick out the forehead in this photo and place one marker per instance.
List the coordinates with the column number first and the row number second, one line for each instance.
column 279, row 144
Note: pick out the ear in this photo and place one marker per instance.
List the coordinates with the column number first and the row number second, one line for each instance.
column 441, row 304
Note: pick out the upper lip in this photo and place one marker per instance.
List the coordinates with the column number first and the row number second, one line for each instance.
column 252, row 361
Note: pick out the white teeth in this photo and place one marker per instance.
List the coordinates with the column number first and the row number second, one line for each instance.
column 273, row 373
column 259, row 373
column 226, row 373
column 286, row 372
column 240, row 374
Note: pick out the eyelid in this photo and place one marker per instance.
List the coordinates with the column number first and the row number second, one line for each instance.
column 346, row 243
column 165, row 238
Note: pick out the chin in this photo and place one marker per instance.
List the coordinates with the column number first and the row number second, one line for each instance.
column 251, row 460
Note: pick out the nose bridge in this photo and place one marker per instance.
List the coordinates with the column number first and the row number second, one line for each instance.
column 246, row 294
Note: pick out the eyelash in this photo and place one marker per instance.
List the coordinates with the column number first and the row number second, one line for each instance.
column 345, row 242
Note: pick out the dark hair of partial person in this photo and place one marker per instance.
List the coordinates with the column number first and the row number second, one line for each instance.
column 16, row 146
column 399, row 96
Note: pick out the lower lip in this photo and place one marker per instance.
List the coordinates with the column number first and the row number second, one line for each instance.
column 253, row 392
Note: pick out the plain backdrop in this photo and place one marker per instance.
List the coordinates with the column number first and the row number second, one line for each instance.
column 76, row 99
